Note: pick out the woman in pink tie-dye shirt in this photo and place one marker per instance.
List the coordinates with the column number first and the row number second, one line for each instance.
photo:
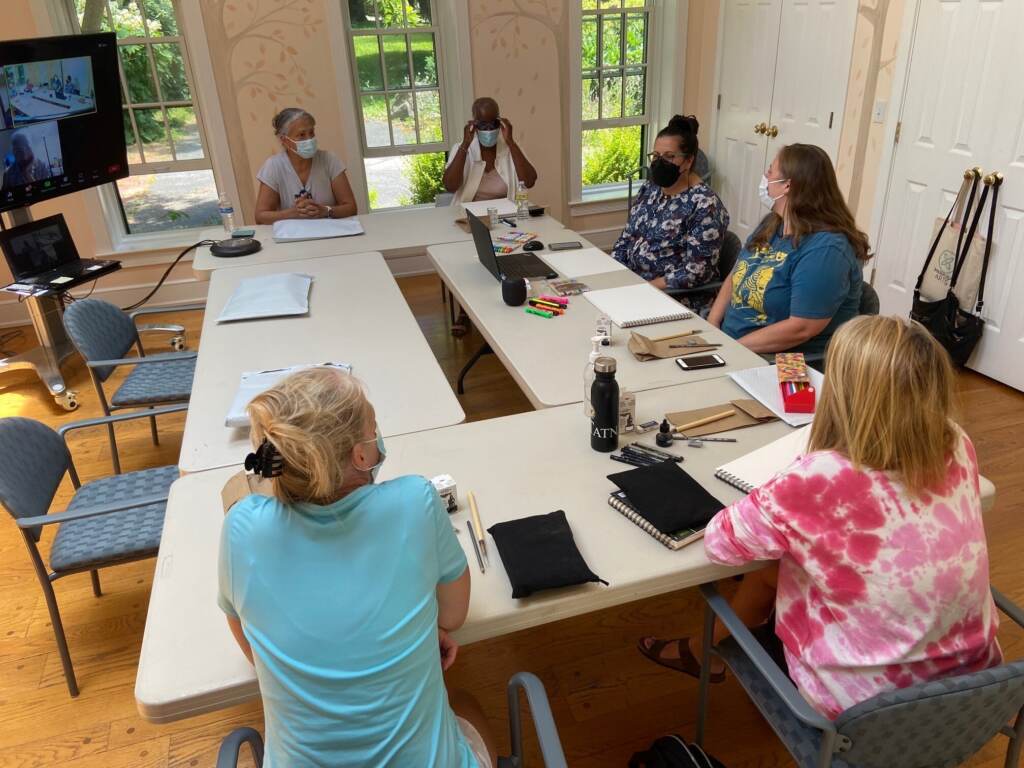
column 882, row 578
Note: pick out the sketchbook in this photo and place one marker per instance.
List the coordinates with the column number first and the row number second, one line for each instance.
column 581, row 262
column 675, row 540
column 634, row 305
column 763, row 383
column 759, row 466
column 296, row 230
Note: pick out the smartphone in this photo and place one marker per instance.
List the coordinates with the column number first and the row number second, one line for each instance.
column 699, row 361
column 569, row 246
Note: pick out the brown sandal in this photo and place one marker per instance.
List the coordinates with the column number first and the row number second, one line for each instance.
column 686, row 663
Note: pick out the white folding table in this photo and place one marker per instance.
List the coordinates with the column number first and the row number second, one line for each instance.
column 357, row 315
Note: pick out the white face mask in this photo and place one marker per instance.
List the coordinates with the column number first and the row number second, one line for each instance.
column 379, row 439
column 762, row 191
column 305, row 148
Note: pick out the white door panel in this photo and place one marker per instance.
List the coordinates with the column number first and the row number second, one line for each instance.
column 961, row 108
column 747, row 65
column 811, row 76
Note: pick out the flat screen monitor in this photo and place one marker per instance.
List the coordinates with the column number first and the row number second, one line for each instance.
column 61, row 128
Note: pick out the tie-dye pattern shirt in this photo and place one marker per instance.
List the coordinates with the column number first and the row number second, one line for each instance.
column 877, row 589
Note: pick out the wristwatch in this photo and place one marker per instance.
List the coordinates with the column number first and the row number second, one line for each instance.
column 330, row 212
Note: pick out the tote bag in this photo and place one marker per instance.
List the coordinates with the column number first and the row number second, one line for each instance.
column 947, row 245
column 959, row 330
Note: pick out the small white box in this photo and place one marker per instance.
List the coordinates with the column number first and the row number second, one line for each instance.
column 446, row 489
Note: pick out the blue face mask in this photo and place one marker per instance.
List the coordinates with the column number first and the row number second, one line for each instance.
column 488, row 138
column 305, row 148
column 383, row 455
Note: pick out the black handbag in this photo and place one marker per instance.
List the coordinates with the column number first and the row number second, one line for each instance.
column 957, row 330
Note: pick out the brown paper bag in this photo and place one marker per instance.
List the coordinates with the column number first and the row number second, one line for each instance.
column 645, row 348
column 242, row 484
column 748, row 413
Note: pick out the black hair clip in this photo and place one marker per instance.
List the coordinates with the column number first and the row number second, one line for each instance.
column 266, row 461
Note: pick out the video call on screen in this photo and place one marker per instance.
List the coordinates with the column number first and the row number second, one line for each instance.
column 56, row 118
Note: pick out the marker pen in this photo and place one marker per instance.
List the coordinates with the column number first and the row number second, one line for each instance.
column 540, row 312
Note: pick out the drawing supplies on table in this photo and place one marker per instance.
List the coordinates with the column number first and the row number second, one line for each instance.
column 794, row 383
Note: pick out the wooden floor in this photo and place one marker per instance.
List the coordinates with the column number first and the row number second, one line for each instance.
column 607, row 700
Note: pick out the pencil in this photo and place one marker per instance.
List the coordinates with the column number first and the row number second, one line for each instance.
column 477, row 525
column 676, row 335
column 476, row 547
column 700, row 422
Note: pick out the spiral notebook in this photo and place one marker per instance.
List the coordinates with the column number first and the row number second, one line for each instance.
column 675, row 540
column 758, row 467
column 634, row 305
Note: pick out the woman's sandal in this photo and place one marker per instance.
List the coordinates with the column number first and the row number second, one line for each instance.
column 686, row 663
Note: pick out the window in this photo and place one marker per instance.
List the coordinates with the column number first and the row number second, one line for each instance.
column 171, row 185
column 399, row 93
column 614, row 90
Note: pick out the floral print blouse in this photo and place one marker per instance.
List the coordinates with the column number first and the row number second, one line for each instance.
column 877, row 589
column 677, row 237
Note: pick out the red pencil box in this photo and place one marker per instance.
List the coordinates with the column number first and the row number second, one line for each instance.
column 794, row 383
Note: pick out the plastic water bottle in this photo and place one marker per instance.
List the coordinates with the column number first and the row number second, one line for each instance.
column 522, row 202
column 227, row 214
column 588, row 375
column 604, row 395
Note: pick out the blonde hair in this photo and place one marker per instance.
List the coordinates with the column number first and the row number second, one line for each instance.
column 313, row 419
column 888, row 400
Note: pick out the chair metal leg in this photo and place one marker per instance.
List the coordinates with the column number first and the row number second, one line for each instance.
column 51, row 606
column 484, row 350
column 828, row 748
column 1013, row 749
column 705, row 673
column 152, row 429
column 96, row 590
column 114, row 457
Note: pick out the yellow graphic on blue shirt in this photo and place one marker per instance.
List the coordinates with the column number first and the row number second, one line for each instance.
column 751, row 277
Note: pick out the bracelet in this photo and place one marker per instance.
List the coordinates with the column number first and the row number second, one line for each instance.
column 330, row 212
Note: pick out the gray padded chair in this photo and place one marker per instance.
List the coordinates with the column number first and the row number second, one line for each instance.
column 938, row 724
column 727, row 255
column 530, row 684
column 103, row 334
column 113, row 520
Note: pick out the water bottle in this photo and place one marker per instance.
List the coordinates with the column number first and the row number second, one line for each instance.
column 522, row 203
column 588, row 375
column 227, row 214
column 604, row 396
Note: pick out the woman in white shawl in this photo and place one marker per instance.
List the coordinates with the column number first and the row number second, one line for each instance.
column 487, row 164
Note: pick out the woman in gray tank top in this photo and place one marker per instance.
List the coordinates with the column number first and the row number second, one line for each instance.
column 301, row 181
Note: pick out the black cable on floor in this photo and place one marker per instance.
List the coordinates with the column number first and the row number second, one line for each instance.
column 163, row 277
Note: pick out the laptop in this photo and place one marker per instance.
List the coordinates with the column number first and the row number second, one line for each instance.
column 508, row 265
column 43, row 253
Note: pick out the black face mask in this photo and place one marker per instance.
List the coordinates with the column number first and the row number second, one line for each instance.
column 663, row 173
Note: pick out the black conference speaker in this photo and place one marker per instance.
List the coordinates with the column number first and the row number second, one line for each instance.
column 235, row 246
column 513, row 291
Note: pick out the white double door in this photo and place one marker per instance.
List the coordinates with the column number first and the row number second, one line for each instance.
column 963, row 106
column 783, row 74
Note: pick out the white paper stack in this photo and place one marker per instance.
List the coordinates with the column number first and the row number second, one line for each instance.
column 294, row 230
column 255, row 382
column 581, row 262
column 277, row 295
column 763, row 383
column 479, row 208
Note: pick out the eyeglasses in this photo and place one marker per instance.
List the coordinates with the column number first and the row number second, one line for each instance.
column 670, row 156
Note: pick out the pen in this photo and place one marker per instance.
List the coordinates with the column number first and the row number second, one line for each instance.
column 627, row 460
column 477, row 525
column 655, row 451
column 546, row 305
column 476, row 547
column 547, row 308
column 540, row 312
column 692, row 344
column 646, row 458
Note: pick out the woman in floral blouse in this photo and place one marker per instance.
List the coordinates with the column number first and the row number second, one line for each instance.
column 677, row 224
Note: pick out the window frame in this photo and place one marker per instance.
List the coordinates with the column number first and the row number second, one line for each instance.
column 666, row 55
column 455, row 85
column 61, row 18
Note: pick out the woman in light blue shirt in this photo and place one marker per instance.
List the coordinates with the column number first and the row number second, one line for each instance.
column 342, row 591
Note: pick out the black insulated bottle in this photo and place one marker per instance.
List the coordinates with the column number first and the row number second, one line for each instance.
column 604, row 397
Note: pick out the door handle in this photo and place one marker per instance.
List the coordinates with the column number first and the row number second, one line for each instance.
column 773, row 131
column 761, row 128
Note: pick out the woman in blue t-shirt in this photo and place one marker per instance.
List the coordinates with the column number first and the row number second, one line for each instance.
column 799, row 276
column 342, row 591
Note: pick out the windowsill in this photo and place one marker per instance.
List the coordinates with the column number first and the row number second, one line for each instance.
column 607, row 199
column 153, row 248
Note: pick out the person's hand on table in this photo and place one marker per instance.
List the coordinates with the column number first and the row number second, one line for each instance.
column 309, row 210
column 449, row 648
